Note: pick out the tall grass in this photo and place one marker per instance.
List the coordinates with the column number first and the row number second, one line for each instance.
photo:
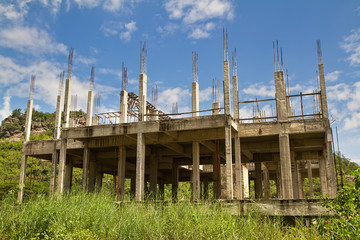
column 98, row 216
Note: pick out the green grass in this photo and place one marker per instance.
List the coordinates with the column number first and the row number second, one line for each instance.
column 98, row 216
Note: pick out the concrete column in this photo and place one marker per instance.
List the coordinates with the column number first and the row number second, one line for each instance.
column 330, row 166
column 67, row 102
column 142, row 96
column 154, row 162
column 175, row 180
column 228, row 168
column 216, row 175
column 309, row 170
column 155, row 116
column 195, row 99
column 86, row 162
column 216, row 108
column 278, row 182
column 300, row 181
column 140, row 166
column 295, row 178
column 22, row 177
column 245, row 173
column 68, row 174
column 123, row 106
column 120, row 192
column 99, row 179
column 280, row 96
column 58, row 117
column 323, row 177
column 323, row 91
column 54, row 161
column 258, row 180
column 238, row 191
column 235, row 97
column 89, row 111
column 266, row 178
column 226, row 88
column 285, row 165
column 62, row 161
column 92, row 175
column 196, row 190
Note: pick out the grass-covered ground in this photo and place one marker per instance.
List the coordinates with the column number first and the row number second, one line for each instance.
column 98, row 216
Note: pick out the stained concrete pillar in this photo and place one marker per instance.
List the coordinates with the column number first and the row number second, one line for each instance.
column 86, row 163
column 278, row 181
column 228, row 168
column 330, row 166
column 309, row 171
column 140, row 166
column 196, row 190
column 142, row 96
column 266, row 179
column 92, row 175
column 175, row 180
column 62, row 161
column 155, row 116
column 54, row 161
column 226, row 88
column 238, row 188
column 323, row 176
column 99, row 180
column 58, row 117
column 67, row 102
column 285, row 165
column 235, row 97
column 280, row 96
column 68, row 174
column 154, row 162
column 215, row 108
column 258, row 180
column 120, row 191
column 300, row 182
column 195, row 99
column 324, row 107
column 89, row 111
column 123, row 106
column 245, row 178
column 295, row 178
column 216, row 175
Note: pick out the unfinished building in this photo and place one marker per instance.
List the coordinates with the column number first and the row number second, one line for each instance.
column 152, row 148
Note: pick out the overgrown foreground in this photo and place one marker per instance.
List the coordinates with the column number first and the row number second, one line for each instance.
column 98, row 216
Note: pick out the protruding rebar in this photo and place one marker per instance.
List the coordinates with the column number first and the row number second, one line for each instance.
column 61, row 83
column 124, row 77
column 154, row 95
column 282, row 63
column 319, row 53
column 195, row 66
column 274, row 56
column 287, row 82
column 70, row 61
column 277, row 51
column 92, row 78
column 143, row 57
column 32, row 87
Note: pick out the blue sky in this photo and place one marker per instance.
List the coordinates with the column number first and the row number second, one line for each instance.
column 36, row 36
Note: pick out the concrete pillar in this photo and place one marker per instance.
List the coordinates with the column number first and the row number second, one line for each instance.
column 92, row 175
column 235, row 97
column 86, row 162
column 285, row 165
column 68, row 174
column 309, row 170
column 258, row 180
column 226, row 88
column 323, row 176
column 62, row 161
column 67, row 102
column 99, row 179
column 155, row 116
column 246, row 186
column 238, row 191
column 54, row 161
column 140, row 166
column 196, row 190
column 280, row 96
column 123, row 106
column 266, row 178
column 22, row 177
column 195, row 99
column 154, row 162
column 330, row 166
column 175, row 180
column 89, row 111
column 120, row 191
column 216, row 175
column 278, row 181
column 323, row 91
column 295, row 178
column 58, row 117
column 216, row 108
column 142, row 96
column 300, row 181
column 228, row 168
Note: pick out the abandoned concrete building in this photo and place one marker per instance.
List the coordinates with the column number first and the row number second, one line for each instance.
column 215, row 145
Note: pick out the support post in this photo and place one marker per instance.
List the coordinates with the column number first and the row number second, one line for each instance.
column 62, row 161
column 311, row 188
column 89, row 111
column 266, row 181
column 245, row 179
column 175, row 180
column 68, row 174
column 142, row 96
column 295, row 178
column 196, row 171
column 235, row 97
column 323, row 177
column 195, row 99
column 216, row 174
column 228, row 168
column 258, row 180
column 123, row 106
column 54, row 161
column 300, row 181
column 280, row 96
column 92, row 175
column 330, row 166
column 140, row 167
column 120, row 192
column 99, row 179
column 285, row 164
column 238, row 192
column 86, row 162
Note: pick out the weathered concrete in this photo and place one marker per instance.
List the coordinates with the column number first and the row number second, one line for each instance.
column 235, row 97
column 258, row 181
column 324, row 107
column 323, row 177
column 310, row 178
column 68, row 174
column 195, row 99
column 123, row 106
column 86, row 163
column 216, row 108
column 175, row 180
column 89, row 112
column 294, row 172
column 229, row 194
column 238, row 186
column 226, row 88
column 285, row 165
column 330, row 166
column 140, row 167
column 92, row 175
column 196, row 170
column 62, row 161
column 266, row 179
column 121, row 172
column 67, row 102
column 280, row 95
column 142, row 96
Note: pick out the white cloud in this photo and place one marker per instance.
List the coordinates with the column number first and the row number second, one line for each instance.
column 260, row 90
column 30, row 40
column 88, row 3
column 113, row 5
column 205, row 94
column 168, row 29
column 129, row 29
column 5, row 110
column 333, row 76
column 202, row 31
column 172, row 95
column 85, row 60
column 352, row 122
column 339, row 92
column 354, row 98
column 351, row 45
column 124, row 30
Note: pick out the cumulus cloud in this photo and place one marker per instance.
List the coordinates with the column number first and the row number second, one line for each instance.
column 124, row 30
column 30, row 40
column 333, row 76
column 168, row 29
column 129, row 28
column 201, row 31
column 351, row 45
column 260, row 90
column 167, row 97
column 5, row 110
column 339, row 92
